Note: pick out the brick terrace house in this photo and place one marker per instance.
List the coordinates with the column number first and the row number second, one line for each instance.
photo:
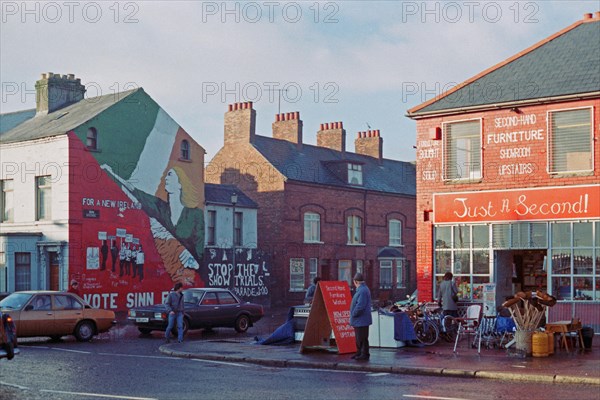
column 508, row 171
column 322, row 210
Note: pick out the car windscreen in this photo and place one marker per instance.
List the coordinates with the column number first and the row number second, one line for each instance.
column 15, row 301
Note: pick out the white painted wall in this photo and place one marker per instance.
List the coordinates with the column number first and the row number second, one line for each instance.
column 23, row 162
column 224, row 226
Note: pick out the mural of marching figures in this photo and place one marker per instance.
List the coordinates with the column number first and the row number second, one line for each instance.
column 137, row 190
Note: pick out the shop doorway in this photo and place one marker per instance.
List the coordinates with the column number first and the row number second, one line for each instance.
column 519, row 270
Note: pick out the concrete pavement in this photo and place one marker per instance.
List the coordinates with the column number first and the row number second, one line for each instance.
column 575, row 367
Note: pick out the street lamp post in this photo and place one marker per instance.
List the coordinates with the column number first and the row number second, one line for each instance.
column 234, row 199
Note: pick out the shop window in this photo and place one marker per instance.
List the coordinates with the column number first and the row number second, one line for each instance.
column 296, row 274
column 570, row 141
column 7, row 200
column 312, row 227
column 43, row 198
column 354, row 229
column 395, row 232
column 462, row 150
column 481, row 237
column 500, row 236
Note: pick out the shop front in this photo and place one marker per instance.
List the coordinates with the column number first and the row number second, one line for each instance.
column 545, row 239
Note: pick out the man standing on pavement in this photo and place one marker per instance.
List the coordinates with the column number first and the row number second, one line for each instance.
column 360, row 317
column 175, row 309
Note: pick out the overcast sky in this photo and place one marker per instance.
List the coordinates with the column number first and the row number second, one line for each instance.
column 352, row 61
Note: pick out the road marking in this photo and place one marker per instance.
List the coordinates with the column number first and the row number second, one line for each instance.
column 13, row 385
column 111, row 396
column 71, row 351
column 418, row 396
column 379, row 374
column 519, row 366
column 139, row 356
column 222, row 362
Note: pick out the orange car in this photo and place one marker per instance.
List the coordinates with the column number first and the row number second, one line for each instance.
column 55, row 314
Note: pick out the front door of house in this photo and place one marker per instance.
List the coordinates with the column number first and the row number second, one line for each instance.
column 54, row 271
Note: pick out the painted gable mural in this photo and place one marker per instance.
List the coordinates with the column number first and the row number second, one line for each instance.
column 140, row 204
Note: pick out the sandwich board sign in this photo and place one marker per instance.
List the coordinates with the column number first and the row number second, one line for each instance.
column 330, row 312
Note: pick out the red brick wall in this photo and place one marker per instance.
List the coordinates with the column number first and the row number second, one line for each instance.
column 429, row 167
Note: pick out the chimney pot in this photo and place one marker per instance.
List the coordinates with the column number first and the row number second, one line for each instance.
column 71, row 76
column 587, row 16
column 597, row 14
column 250, row 105
column 277, row 117
column 44, row 76
column 297, row 115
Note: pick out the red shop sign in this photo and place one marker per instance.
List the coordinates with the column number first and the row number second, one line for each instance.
column 550, row 203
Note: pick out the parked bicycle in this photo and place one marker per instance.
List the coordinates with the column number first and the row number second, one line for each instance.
column 430, row 324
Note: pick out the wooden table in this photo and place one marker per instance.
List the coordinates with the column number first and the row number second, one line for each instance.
column 564, row 327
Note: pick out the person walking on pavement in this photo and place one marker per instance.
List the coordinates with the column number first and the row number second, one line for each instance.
column 175, row 309
column 360, row 317
column 448, row 295
column 310, row 293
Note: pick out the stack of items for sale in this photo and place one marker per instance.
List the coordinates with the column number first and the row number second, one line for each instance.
column 527, row 310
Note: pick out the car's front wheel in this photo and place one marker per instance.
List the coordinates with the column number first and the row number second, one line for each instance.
column 242, row 323
column 84, row 331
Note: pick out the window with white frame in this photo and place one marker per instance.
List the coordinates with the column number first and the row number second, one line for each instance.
column 313, row 269
column 395, row 232
column 354, row 229
column 6, row 200
column 296, row 274
column 400, row 273
column 385, row 274
column 355, row 176
column 211, row 228
column 312, row 227
column 571, row 140
column 237, row 229
column 462, row 150
column 185, row 150
column 43, row 198
column 345, row 271
column 22, row 271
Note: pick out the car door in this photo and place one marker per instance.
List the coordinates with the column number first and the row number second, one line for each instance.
column 37, row 317
column 208, row 310
column 68, row 311
column 229, row 308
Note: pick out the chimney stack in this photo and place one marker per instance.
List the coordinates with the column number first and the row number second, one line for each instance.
column 332, row 135
column 240, row 123
column 288, row 126
column 53, row 92
column 369, row 143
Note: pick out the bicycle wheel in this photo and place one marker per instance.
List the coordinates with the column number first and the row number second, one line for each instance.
column 449, row 328
column 426, row 332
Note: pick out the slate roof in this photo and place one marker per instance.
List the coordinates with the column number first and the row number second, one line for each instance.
column 564, row 65
column 26, row 125
column 311, row 164
column 221, row 194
